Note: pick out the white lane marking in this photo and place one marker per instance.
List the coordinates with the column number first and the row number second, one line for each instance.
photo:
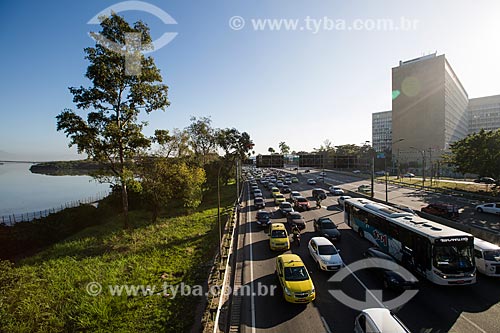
column 252, row 300
column 468, row 320
column 327, row 328
column 368, row 291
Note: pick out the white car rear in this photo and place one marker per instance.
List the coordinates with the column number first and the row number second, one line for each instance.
column 335, row 190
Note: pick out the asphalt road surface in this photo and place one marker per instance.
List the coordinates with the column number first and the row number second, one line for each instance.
column 434, row 309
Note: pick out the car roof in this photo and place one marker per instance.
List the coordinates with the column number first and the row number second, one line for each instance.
column 278, row 226
column 291, row 260
column 321, row 241
column 385, row 320
column 285, row 203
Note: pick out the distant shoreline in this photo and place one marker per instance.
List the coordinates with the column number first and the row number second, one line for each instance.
column 80, row 167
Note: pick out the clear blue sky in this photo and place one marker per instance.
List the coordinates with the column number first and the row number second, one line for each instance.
column 296, row 86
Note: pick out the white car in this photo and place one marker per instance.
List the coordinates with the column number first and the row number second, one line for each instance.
column 335, row 190
column 343, row 198
column 311, row 182
column 322, row 173
column 325, row 254
column 493, row 208
column 378, row 320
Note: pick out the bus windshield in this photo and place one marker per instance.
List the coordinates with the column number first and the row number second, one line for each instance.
column 453, row 258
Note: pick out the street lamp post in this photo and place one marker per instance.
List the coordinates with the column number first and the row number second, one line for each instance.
column 422, row 152
column 385, row 168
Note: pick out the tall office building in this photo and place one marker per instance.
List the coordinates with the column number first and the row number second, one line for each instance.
column 428, row 107
column 484, row 113
column 382, row 130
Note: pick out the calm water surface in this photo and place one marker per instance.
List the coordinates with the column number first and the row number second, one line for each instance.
column 24, row 192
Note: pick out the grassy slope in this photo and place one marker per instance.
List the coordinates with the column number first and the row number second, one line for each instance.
column 47, row 292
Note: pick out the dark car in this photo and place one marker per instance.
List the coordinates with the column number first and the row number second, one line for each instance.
column 448, row 211
column 326, row 228
column 307, row 171
column 485, row 180
column 301, row 204
column 259, row 203
column 392, row 278
column 296, row 218
column 319, row 193
column 286, row 189
column 263, row 218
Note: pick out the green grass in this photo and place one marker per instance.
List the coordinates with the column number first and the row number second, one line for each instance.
column 473, row 188
column 47, row 292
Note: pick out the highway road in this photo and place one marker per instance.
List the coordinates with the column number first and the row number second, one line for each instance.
column 416, row 199
column 434, row 308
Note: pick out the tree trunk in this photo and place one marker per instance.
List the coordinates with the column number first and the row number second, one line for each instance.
column 155, row 213
column 125, row 205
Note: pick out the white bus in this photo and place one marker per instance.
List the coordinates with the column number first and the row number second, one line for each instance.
column 487, row 257
column 441, row 254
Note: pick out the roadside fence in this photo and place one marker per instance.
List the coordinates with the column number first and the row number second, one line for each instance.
column 11, row 219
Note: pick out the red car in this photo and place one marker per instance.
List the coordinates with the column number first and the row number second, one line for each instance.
column 448, row 211
column 301, row 204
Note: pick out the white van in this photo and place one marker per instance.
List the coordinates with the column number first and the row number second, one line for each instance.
column 487, row 257
column 378, row 320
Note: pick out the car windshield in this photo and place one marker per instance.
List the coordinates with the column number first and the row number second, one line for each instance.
column 327, row 250
column 492, row 255
column 302, row 200
column 296, row 273
column 295, row 216
column 453, row 258
column 279, row 196
column 278, row 234
column 328, row 225
column 263, row 215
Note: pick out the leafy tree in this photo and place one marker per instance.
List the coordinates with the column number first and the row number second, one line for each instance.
column 236, row 146
column 112, row 133
column 271, row 150
column 477, row 153
column 284, row 148
column 167, row 181
column 202, row 138
column 175, row 144
column 326, row 147
column 348, row 150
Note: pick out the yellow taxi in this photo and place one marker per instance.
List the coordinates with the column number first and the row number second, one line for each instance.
column 294, row 279
column 278, row 237
column 275, row 191
column 279, row 198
